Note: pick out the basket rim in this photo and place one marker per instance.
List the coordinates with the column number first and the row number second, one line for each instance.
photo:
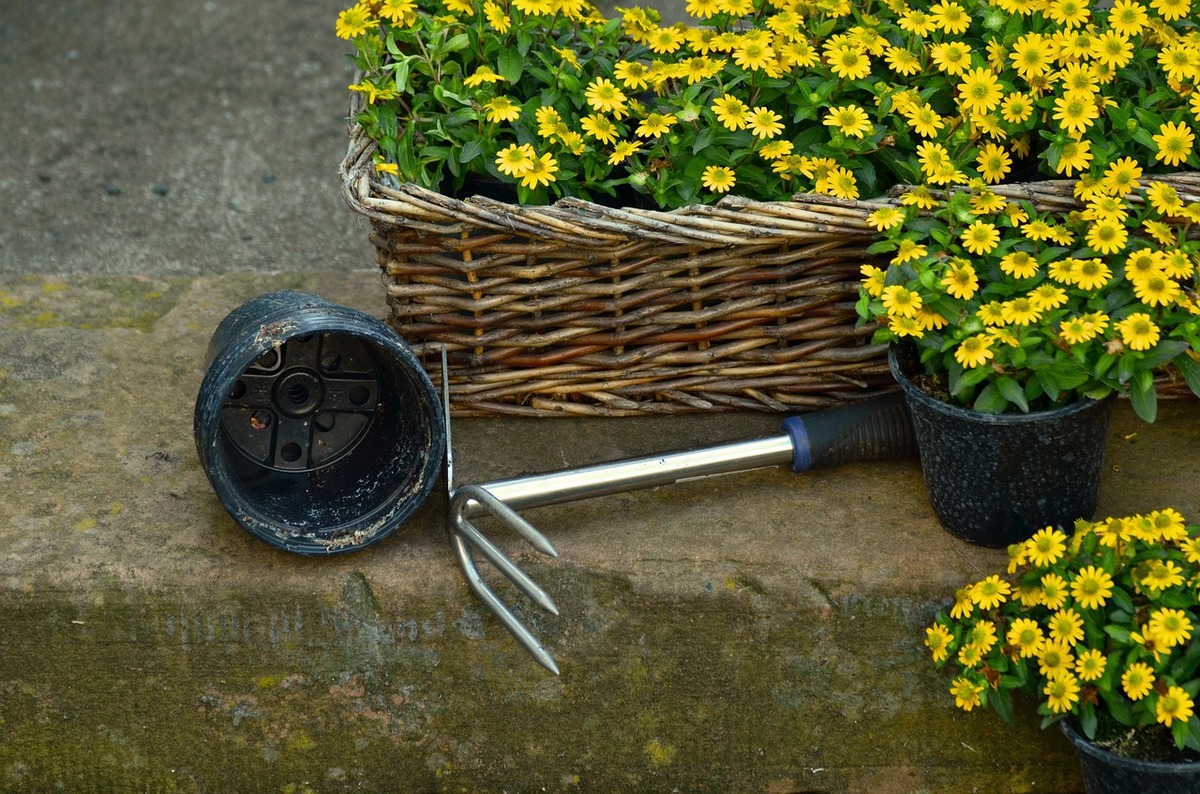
column 733, row 220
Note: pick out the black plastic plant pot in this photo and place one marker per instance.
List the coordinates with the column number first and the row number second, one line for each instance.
column 316, row 425
column 996, row 479
column 1106, row 773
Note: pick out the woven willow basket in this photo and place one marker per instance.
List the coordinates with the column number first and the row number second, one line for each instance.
column 578, row 308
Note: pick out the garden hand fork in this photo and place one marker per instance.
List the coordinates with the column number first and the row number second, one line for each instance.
column 874, row 429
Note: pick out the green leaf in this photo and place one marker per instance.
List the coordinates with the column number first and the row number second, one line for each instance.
column 1087, row 720
column 1003, row 704
column 1121, row 635
column 1190, row 371
column 991, row 400
column 1180, row 731
column 1012, row 391
column 1163, row 352
column 1122, row 600
column 470, row 151
column 511, row 65
column 1142, row 396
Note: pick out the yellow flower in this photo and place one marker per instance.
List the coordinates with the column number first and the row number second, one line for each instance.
column 1138, row 331
column 502, row 109
column 930, row 320
column 1113, row 49
column 885, row 218
column 1170, row 626
column 902, row 62
column 918, row 196
column 909, row 251
column 654, row 125
column 1171, row 10
column 604, row 97
column 994, row 163
column 924, row 119
column 1019, row 265
column 1174, row 705
column 599, row 127
column 731, row 112
column 841, row 183
column 950, row 17
column 1157, row 289
column 1164, row 198
column 960, row 280
column 541, row 171
column 354, row 21
column 873, row 280
column 851, row 120
column 1137, row 681
column 515, row 160
column 622, row 152
column 1075, row 111
column 1090, row 664
column 1056, row 659
column 632, row 74
column 718, row 178
column 939, row 641
column 974, row 351
column 1161, row 575
column 1066, row 626
column 398, row 10
column 966, row 693
column 765, row 123
column 1174, row 143
column 754, row 55
column 848, row 62
column 1026, row 636
column 1075, row 156
column 387, row 168
column 483, row 74
column 980, row 237
column 1016, row 108
column 496, row 17
column 1046, row 547
column 952, row 57
column 1128, row 17
column 1031, row 56
column 776, row 149
column 907, row 326
column 1062, row 692
column 1054, row 591
column 979, row 91
column 1020, row 311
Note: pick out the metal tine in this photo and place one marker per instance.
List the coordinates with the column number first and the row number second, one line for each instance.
column 511, row 518
column 515, row 627
column 506, row 566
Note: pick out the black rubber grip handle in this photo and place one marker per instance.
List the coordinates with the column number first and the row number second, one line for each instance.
column 878, row 428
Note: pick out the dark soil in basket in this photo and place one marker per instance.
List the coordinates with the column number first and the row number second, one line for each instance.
column 1153, row 743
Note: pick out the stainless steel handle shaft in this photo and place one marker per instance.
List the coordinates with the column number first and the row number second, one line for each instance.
column 651, row 471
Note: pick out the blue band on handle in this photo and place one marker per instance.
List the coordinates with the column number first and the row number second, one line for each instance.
column 801, row 448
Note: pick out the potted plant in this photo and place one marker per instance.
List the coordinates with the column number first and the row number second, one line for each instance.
column 1097, row 626
column 760, row 106
column 1016, row 327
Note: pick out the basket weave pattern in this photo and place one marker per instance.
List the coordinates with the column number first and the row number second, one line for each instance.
column 577, row 308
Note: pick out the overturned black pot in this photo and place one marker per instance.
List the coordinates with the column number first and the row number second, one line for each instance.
column 995, row 479
column 316, row 425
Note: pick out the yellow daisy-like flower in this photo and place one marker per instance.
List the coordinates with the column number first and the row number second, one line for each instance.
column 851, row 120
column 765, row 123
column 919, row 197
column 1046, row 547
column 840, row 182
column 541, row 171
column 354, row 21
column 387, row 168
column 1092, row 587
column 1090, row 664
column 1019, row 264
column 1075, row 156
column 1075, row 112
column 1128, row 17
column 953, row 57
column 1137, row 680
column 1157, row 289
column 1020, row 311
column 974, row 351
column 776, row 149
column 1107, row 236
column 719, row 178
column 1171, row 10
column 1164, row 198
column 873, row 280
column 924, row 120
column 901, row 301
column 1062, row 693
column 907, row 326
column 1162, row 574
column 980, row 237
column 994, row 163
column 633, row 74
column 515, row 160
column 990, row 592
column 1138, row 331
column 500, row 21
column 1056, row 659
column 979, row 91
column 1032, row 56
column 1174, row 142
column 1066, row 625
column 655, row 125
column 985, row 202
column 1026, row 636
column 482, row 75
column 604, row 96
column 1054, row 591
column 885, row 218
column 1142, row 263
column 1076, row 331
column 502, row 108
column 754, row 55
column 950, row 17
column 1176, row 263
column 1113, row 49
column 991, row 314
column 961, row 281
column 1171, row 626
column 908, row 251
column 1176, row 704
column 599, row 127
column 939, row 642
column 930, row 320
column 622, row 152
column 902, row 62
column 966, row 693
column 1016, row 108
column 732, row 112
column 848, row 62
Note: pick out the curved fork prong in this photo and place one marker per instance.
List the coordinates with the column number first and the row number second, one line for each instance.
column 485, row 594
column 506, row 566
column 511, row 518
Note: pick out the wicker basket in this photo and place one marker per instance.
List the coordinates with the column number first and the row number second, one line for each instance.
column 578, row 308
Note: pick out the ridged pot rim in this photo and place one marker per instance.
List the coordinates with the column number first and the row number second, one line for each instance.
column 913, row 391
column 1086, row 745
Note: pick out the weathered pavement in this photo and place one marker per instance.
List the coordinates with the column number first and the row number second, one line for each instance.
column 762, row 631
